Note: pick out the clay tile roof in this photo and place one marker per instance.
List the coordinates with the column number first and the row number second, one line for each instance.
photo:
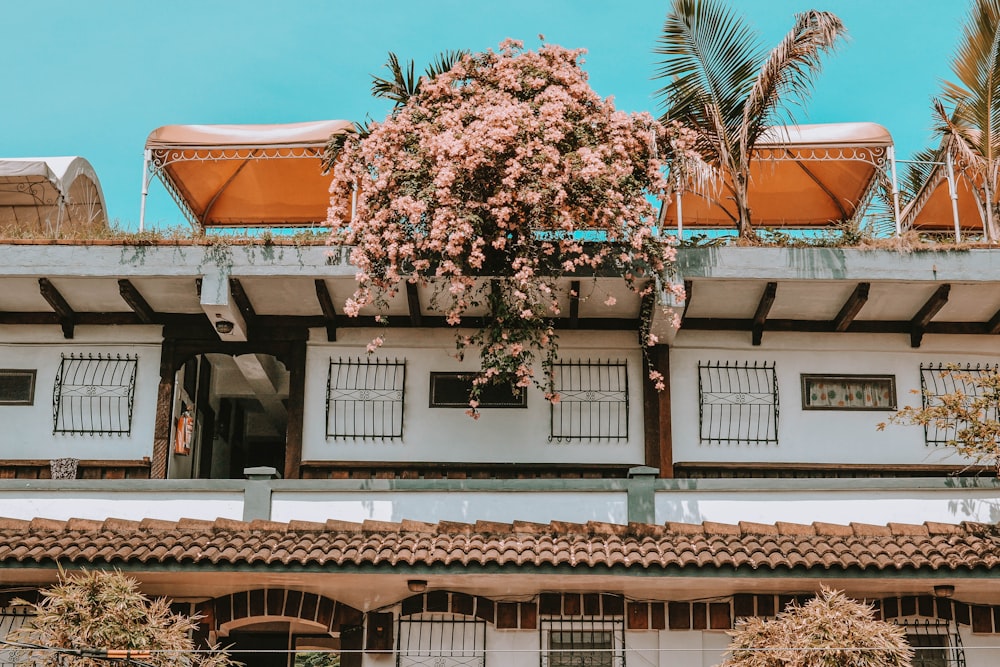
column 750, row 546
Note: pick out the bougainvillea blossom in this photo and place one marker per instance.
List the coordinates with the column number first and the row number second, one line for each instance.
column 494, row 181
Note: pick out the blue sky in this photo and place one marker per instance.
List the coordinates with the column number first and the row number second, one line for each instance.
column 94, row 78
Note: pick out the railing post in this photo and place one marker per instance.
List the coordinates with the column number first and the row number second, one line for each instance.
column 641, row 496
column 257, row 497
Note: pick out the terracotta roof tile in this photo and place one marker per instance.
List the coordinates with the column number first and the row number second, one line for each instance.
column 521, row 544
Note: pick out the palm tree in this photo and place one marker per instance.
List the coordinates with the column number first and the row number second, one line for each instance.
column 968, row 114
column 729, row 89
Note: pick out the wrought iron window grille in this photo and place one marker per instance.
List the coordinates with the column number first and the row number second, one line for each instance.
column 440, row 640
column 11, row 619
column 364, row 399
column 94, row 394
column 935, row 643
column 738, row 403
column 593, row 401
column 936, row 380
column 582, row 641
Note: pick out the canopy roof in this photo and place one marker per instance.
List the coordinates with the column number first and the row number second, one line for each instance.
column 245, row 175
column 50, row 195
column 801, row 176
column 931, row 210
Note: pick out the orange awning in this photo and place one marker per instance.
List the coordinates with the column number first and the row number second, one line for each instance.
column 931, row 210
column 801, row 176
column 246, row 175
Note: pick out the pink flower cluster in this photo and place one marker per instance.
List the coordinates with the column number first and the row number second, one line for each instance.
column 510, row 167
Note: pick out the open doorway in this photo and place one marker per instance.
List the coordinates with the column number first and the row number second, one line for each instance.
column 229, row 413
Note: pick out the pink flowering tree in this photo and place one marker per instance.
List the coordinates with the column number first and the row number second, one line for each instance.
column 493, row 181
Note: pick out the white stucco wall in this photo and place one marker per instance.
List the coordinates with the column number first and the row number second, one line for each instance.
column 27, row 430
column 98, row 505
column 815, row 436
column 503, row 435
column 465, row 506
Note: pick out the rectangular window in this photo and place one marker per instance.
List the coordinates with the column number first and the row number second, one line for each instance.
column 593, row 401
column 848, row 392
column 364, row 398
column 738, row 402
column 451, row 390
column 935, row 643
column 583, row 642
column 939, row 379
column 17, row 387
column 94, row 394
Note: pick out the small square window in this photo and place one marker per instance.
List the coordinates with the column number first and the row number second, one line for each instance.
column 848, row 392
column 451, row 390
column 17, row 387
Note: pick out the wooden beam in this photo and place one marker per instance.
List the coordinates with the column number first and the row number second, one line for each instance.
column 657, row 429
column 993, row 326
column 329, row 312
column 295, row 362
column 242, row 302
column 136, row 302
column 688, row 296
column 67, row 318
column 851, row 307
column 413, row 303
column 574, row 305
column 918, row 325
column 763, row 308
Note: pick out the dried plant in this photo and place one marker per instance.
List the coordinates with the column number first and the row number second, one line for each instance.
column 831, row 630
column 104, row 610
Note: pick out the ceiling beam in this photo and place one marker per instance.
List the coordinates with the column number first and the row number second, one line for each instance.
column 242, row 302
column 574, row 304
column 763, row 308
column 136, row 302
column 851, row 307
column 413, row 303
column 993, row 326
column 67, row 318
column 688, row 296
column 329, row 312
column 918, row 325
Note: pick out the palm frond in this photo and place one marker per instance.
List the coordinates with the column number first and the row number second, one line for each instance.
column 787, row 75
column 711, row 58
column 401, row 85
column 443, row 62
column 917, row 172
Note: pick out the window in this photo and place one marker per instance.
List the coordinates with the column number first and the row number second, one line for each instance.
column 738, row 403
column 11, row 619
column 934, row 643
column 848, row 392
column 593, row 401
column 583, row 642
column 451, row 390
column 364, row 398
column 94, row 394
column 939, row 379
column 17, row 387
column 442, row 640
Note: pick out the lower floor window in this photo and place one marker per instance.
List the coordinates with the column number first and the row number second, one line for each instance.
column 583, row 643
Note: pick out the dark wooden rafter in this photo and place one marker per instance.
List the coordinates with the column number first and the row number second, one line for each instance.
column 852, row 307
column 413, row 303
column 329, row 311
column 67, row 318
column 918, row 325
column 688, row 295
column 136, row 302
column 763, row 308
column 242, row 302
column 646, row 314
column 993, row 326
column 574, row 304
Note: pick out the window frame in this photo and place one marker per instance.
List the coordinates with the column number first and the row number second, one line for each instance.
column 611, row 625
column 521, row 397
column 849, row 377
column 357, row 392
column 31, row 373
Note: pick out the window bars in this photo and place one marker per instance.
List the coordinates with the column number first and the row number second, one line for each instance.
column 593, row 401
column 938, row 379
column 364, row 398
column 94, row 394
column 935, row 643
column 582, row 641
column 738, row 403
column 440, row 640
column 11, row 619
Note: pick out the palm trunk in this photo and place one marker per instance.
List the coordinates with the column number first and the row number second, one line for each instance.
column 743, row 224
